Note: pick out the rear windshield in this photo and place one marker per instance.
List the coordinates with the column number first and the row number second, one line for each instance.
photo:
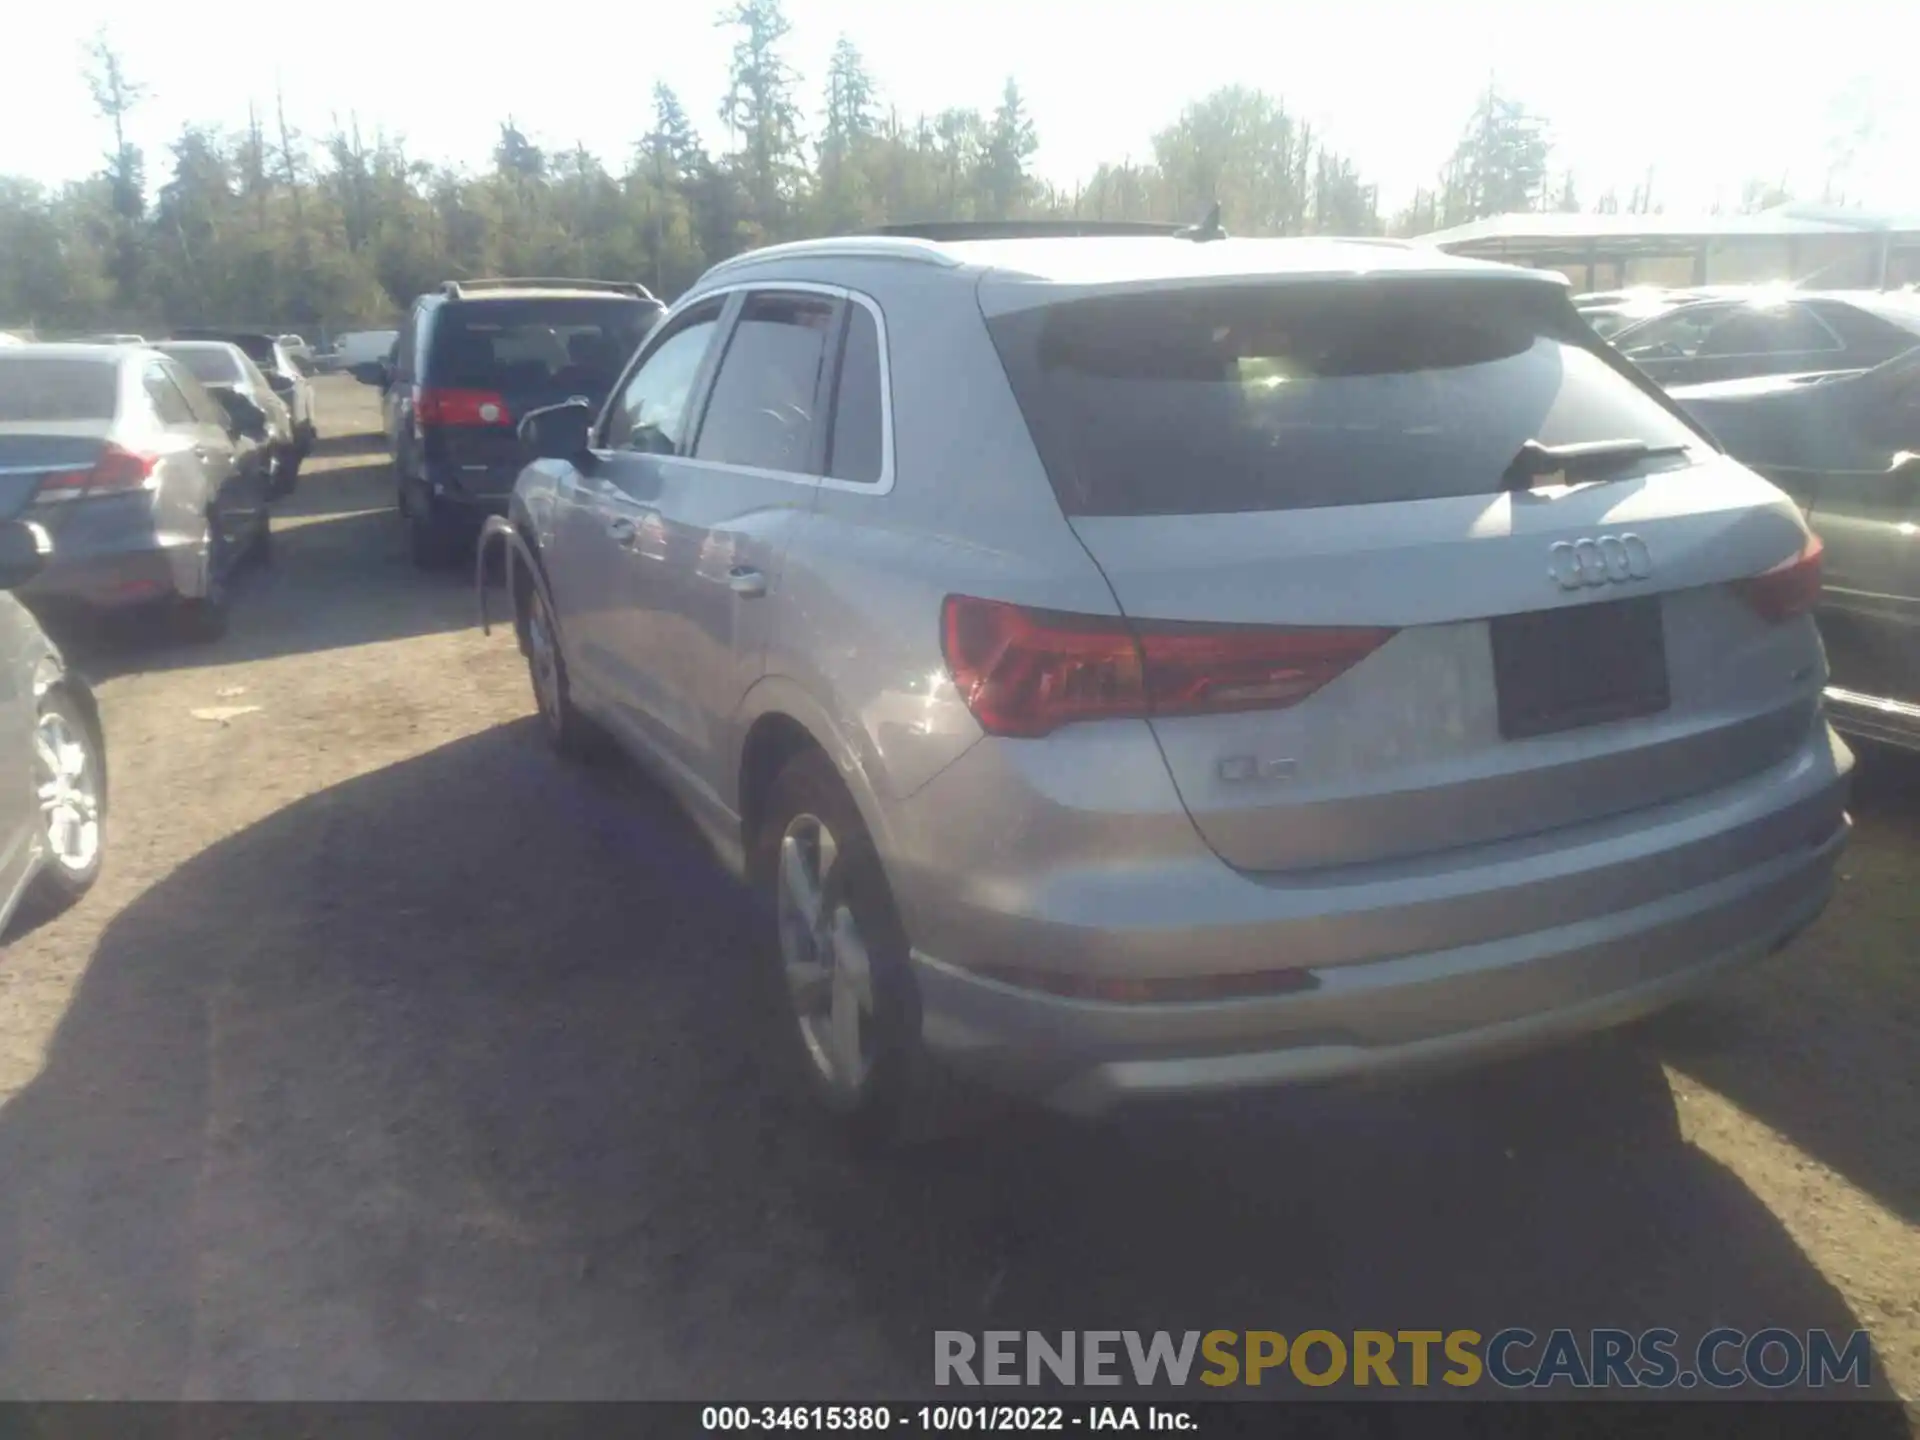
column 50, row 388
column 215, row 367
column 543, row 346
column 1219, row 400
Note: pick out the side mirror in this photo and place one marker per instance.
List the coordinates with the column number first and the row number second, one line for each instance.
column 247, row 417
column 556, row 432
column 282, row 384
column 24, row 548
column 370, row 372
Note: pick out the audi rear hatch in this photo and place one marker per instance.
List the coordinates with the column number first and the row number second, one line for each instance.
column 1411, row 561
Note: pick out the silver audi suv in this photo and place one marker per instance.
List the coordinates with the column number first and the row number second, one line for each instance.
column 1149, row 664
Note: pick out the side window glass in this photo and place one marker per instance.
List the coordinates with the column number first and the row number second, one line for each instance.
column 168, row 403
column 764, row 398
column 855, row 450
column 206, row 409
column 1675, row 336
column 650, row 412
column 1768, row 332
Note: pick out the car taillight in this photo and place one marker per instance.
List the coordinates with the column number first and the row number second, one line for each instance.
column 1027, row 672
column 1790, row 588
column 116, row 471
column 460, row 407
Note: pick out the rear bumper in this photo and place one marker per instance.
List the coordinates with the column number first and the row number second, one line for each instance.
column 109, row 579
column 459, row 493
column 1874, row 717
column 1745, row 870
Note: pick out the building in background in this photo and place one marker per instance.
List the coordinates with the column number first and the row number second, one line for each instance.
column 1809, row 244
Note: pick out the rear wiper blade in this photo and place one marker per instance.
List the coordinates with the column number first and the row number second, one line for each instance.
column 1583, row 461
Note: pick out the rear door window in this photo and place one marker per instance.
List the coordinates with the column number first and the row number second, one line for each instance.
column 56, row 389
column 1299, row 397
column 1770, row 330
column 765, row 406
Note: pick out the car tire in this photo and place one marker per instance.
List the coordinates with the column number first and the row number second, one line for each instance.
column 286, row 474
column 840, row 957
column 571, row 734
column 68, row 755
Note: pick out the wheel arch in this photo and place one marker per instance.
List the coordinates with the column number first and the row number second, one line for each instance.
column 777, row 720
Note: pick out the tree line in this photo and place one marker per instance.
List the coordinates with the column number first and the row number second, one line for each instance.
column 269, row 227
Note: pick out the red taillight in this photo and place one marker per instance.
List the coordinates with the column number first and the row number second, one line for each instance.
column 460, row 407
column 115, row 472
column 1790, row 588
column 1028, row 672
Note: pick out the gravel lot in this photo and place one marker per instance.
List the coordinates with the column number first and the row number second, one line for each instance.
column 392, row 1057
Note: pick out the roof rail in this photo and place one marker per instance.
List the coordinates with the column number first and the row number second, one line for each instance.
column 953, row 230
column 457, row 289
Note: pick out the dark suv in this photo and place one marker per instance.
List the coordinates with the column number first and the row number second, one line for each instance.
column 472, row 359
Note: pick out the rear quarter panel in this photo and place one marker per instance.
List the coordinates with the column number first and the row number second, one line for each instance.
column 855, row 653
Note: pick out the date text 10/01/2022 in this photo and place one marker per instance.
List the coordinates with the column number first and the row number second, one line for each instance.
column 927, row 1418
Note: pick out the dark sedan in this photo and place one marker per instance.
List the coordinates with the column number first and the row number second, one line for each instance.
column 1771, row 332
column 1847, row 447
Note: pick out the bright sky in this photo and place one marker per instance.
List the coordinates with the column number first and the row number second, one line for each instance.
column 1711, row 93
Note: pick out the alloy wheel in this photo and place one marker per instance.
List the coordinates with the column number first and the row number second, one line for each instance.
column 828, row 971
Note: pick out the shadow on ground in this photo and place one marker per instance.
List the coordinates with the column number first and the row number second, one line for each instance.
column 340, row 575
column 452, row 1081
column 1819, row 1043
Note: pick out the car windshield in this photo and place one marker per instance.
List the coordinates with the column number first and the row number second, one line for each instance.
column 210, row 364
column 537, row 345
column 1296, row 397
column 56, row 388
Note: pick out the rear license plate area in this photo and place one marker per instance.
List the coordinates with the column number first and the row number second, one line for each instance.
column 1558, row 670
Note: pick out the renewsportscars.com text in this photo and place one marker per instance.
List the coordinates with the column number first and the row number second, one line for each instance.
column 1773, row 1358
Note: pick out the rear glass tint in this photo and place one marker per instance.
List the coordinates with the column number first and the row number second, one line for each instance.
column 1298, row 397
column 57, row 389
column 540, row 346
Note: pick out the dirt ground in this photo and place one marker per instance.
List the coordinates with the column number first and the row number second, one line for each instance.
column 392, row 1057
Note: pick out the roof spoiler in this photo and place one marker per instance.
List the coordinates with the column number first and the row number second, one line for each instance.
column 459, row 289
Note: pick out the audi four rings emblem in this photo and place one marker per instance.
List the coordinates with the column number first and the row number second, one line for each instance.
column 1607, row 560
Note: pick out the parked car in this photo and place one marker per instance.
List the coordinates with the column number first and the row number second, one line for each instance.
column 1727, row 337
column 357, row 347
column 296, row 349
column 140, row 476
column 226, row 369
column 472, row 358
column 53, row 805
column 1847, row 448
column 1610, row 311
column 1154, row 666
column 283, row 376
column 7, row 338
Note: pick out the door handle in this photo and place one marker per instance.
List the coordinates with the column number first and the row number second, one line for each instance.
column 622, row 530
column 746, row 583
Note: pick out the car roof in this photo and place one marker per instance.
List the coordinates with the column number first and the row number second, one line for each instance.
column 105, row 353
column 1102, row 260
column 196, row 344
